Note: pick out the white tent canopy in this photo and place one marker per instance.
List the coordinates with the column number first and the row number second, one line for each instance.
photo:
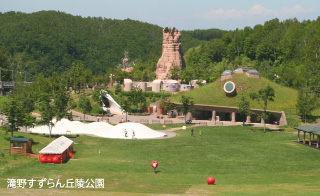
column 57, row 146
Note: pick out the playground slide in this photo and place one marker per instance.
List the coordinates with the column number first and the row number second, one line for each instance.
column 114, row 106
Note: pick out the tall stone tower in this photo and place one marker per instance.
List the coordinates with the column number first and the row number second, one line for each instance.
column 171, row 53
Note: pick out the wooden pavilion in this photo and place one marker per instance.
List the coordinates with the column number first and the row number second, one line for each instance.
column 312, row 130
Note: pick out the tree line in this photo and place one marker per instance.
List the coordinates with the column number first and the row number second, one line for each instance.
column 286, row 52
column 50, row 41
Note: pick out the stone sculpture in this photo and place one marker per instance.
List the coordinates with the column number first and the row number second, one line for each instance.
column 171, row 53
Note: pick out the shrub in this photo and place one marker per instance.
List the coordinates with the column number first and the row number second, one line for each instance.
column 97, row 109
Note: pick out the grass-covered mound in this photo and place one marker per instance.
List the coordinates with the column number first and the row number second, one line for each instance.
column 243, row 162
column 213, row 93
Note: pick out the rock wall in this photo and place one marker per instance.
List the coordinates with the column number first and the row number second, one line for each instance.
column 171, row 53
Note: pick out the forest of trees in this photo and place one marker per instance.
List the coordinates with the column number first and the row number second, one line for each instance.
column 286, row 52
column 49, row 41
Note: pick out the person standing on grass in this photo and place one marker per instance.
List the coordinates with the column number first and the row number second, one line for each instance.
column 192, row 131
column 200, row 133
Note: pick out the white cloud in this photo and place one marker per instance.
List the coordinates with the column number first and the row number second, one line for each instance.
column 255, row 11
column 293, row 11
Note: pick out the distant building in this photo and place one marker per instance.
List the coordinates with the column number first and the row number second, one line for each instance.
column 185, row 87
column 251, row 73
column 227, row 74
column 155, row 86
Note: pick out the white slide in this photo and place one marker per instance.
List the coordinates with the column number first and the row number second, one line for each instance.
column 114, row 106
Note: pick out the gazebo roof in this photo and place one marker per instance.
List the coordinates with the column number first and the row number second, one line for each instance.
column 309, row 129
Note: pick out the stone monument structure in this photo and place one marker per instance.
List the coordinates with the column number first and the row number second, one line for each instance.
column 171, row 53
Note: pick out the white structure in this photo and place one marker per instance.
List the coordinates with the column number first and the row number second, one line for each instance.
column 230, row 88
column 113, row 105
column 140, row 131
column 98, row 129
column 127, row 85
column 156, row 86
column 57, row 146
column 174, row 87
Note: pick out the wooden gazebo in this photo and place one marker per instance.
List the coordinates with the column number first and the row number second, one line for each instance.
column 312, row 130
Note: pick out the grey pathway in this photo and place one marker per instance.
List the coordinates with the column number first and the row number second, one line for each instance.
column 116, row 119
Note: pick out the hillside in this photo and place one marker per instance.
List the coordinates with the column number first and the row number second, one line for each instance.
column 213, row 93
column 50, row 41
column 279, row 50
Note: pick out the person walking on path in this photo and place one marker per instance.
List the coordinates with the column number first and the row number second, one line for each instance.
column 192, row 131
column 125, row 133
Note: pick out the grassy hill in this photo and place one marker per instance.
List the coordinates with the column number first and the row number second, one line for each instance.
column 213, row 93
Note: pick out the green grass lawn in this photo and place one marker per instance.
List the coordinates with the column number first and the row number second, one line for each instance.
column 243, row 162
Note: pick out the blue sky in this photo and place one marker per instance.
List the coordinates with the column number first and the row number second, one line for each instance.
column 182, row 14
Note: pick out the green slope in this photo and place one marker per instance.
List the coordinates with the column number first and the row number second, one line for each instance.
column 213, row 93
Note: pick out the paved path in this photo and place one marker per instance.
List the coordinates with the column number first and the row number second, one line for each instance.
column 117, row 118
